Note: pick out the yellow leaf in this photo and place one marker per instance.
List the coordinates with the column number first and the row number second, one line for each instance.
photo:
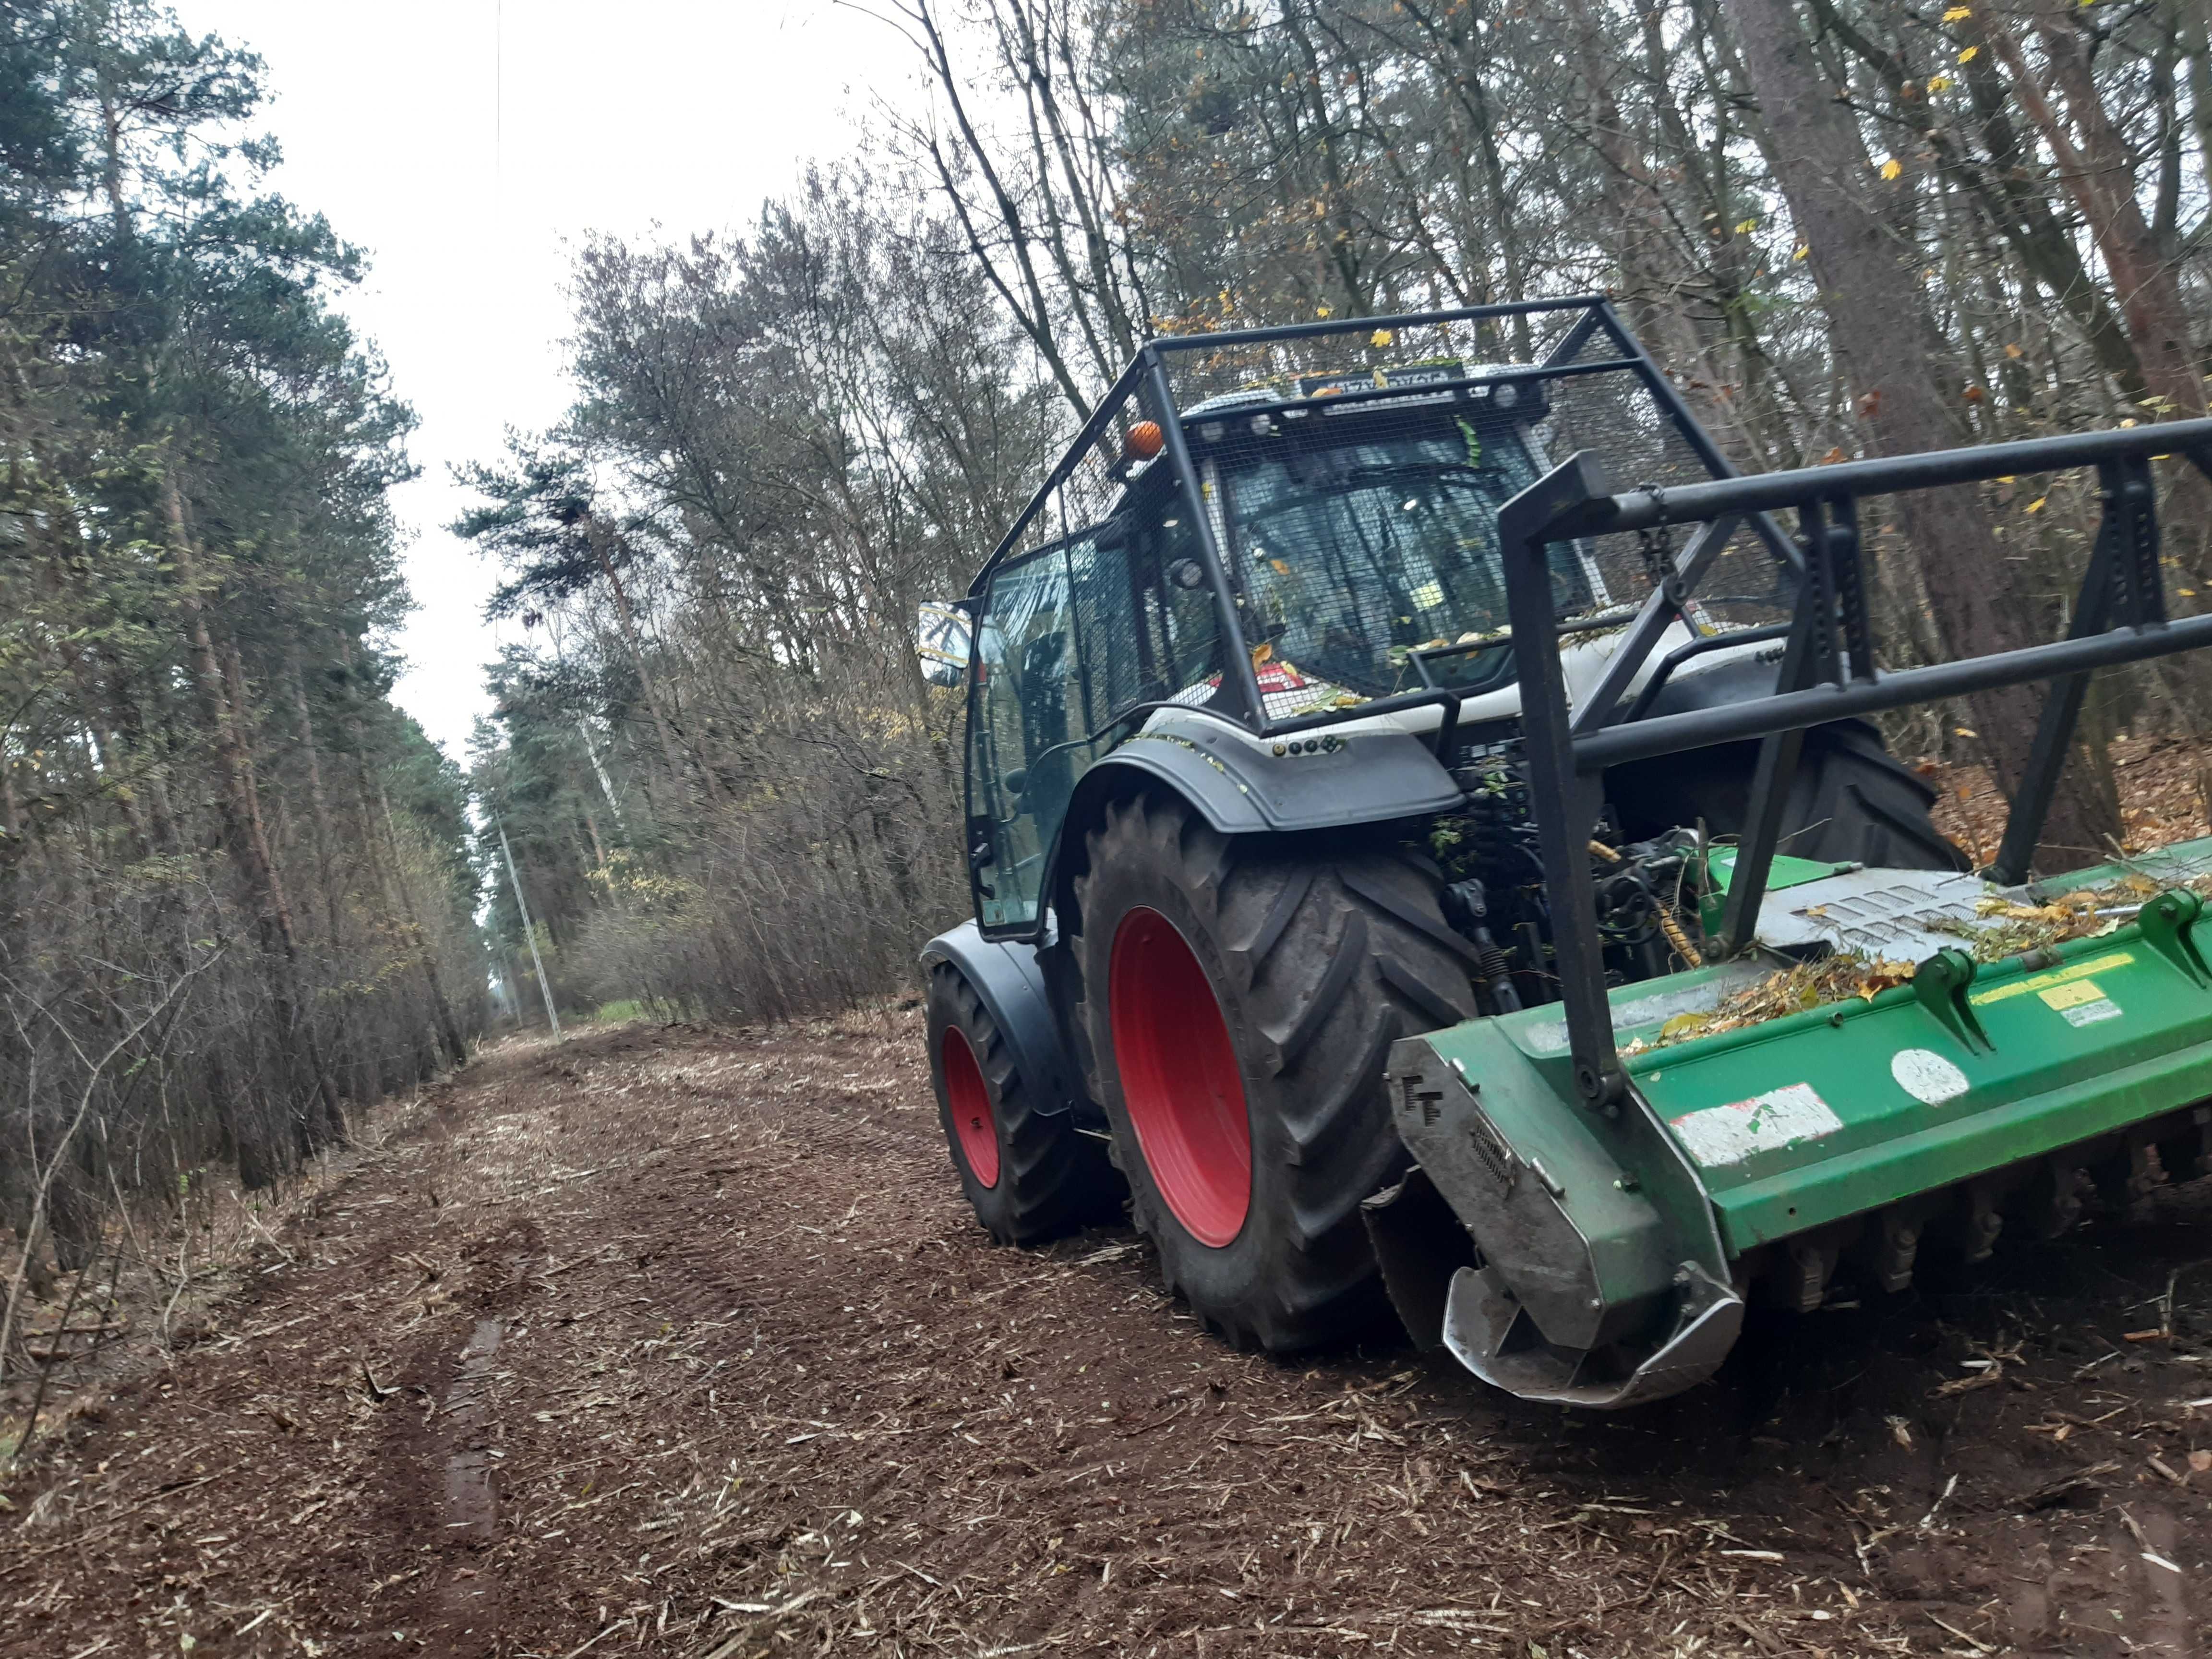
column 1261, row 652
column 1939, row 83
column 1963, row 731
column 1683, row 1024
column 1892, row 167
column 1281, row 569
column 2129, row 422
column 1745, row 227
column 2036, row 506
column 2186, row 592
column 1381, row 338
column 1970, row 54
column 2013, row 351
column 1324, row 311
column 2007, row 478
column 1957, row 13
column 1802, row 252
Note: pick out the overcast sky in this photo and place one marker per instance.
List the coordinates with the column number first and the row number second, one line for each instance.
column 466, row 144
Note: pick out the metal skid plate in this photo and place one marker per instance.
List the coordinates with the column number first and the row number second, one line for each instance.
column 1910, row 915
column 1903, row 915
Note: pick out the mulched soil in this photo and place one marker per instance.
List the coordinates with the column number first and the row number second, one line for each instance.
column 680, row 1341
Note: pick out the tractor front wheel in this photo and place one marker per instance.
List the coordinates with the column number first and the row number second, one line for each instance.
column 1240, row 996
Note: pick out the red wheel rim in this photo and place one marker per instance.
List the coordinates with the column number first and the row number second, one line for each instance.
column 970, row 1104
column 1180, row 1077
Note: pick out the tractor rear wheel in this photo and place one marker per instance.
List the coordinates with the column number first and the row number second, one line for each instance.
column 1029, row 1175
column 1240, row 995
column 1852, row 800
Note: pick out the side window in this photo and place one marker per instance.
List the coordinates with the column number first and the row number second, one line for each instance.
column 1025, row 749
column 1070, row 636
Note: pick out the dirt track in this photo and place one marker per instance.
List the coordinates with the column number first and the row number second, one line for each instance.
column 681, row 1342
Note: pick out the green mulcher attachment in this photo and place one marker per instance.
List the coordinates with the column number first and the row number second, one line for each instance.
column 1877, row 1066
column 1603, row 1258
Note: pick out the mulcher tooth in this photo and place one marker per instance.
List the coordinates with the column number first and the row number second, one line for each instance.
column 2129, row 1179
column 1973, row 1226
column 2056, row 1196
column 2188, row 1154
column 1800, row 1275
column 1891, row 1243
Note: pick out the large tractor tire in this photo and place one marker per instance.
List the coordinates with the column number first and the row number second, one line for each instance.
column 1851, row 800
column 1240, row 995
column 1029, row 1175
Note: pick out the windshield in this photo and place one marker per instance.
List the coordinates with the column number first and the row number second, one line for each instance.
column 1353, row 555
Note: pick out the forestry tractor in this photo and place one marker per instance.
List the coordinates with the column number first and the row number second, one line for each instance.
column 1430, row 852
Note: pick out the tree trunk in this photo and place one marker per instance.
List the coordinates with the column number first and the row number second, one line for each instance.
column 1895, row 365
column 2099, row 174
column 326, row 839
column 243, row 835
column 449, row 1030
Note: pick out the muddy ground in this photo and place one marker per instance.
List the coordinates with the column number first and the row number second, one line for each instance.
column 682, row 1342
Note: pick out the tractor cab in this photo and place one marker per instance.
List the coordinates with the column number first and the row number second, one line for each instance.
column 1358, row 561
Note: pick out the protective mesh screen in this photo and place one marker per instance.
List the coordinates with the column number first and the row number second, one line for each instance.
column 1615, row 415
column 1208, row 367
column 1363, row 535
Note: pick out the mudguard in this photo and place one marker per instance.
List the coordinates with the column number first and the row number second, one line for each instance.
column 1006, row 976
column 1241, row 784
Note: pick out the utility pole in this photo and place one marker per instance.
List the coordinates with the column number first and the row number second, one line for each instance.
column 528, row 931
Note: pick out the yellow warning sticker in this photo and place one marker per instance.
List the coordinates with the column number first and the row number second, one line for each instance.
column 2071, row 996
column 2066, row 976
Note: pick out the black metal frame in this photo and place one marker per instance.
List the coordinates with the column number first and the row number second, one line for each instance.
column 1828, row 668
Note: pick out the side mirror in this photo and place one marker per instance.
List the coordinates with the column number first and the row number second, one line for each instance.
column 944, row 641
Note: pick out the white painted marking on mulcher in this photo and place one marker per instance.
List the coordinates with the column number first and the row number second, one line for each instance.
column 2088, row 1013
column 1927, row 1076
column 1721, row 1136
